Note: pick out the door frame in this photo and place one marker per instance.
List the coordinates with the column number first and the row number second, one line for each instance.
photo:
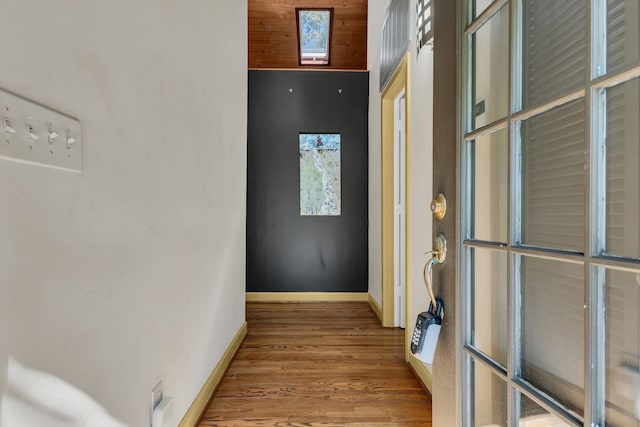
column 400, row 220
column 399, row 82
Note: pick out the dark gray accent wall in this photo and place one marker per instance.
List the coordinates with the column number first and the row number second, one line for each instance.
column 287, row 252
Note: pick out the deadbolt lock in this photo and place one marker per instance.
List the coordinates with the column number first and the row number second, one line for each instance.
column 439, row 206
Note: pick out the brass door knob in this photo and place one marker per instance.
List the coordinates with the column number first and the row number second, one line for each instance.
column 440, row 248
column 439, row 206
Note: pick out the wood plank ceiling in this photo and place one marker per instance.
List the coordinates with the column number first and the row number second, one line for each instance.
column 273, row 41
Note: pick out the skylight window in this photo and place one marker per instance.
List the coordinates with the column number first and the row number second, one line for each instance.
column 314, row 35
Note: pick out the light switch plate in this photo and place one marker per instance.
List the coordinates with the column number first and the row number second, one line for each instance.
column 34, row 134
column 156, row 397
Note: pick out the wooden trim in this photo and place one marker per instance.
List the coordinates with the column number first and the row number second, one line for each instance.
column 398, row 82
column 201, row 402
column 375, row 307
column 305, row 296
column 315, row 68
column 407, row 208
column 421, row 373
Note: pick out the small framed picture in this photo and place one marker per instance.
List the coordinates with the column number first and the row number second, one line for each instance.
column 320, row 174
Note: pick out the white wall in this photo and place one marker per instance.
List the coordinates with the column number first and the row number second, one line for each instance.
column 134, row 271
column 420, row 158
column 377, row 12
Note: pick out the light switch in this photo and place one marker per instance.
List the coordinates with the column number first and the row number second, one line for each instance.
column 7, row 126
column 32, row 134
column 52, row 134
column 39, row 142
column 70, row 141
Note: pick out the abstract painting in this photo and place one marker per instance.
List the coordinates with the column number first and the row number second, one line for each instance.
column 320, row 174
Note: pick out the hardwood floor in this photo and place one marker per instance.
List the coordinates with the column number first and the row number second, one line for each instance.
column 318, row 364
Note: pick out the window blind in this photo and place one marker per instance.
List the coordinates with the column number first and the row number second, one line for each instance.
column 554, row 49
column 615, row 33
column 553, row 328
column 553, row 160
column 615, row 217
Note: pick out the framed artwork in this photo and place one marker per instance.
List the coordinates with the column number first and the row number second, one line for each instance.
column 320, row 185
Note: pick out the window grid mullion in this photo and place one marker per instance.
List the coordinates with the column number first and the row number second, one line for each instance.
column 466, row 89
column 622, row 75
column 514, row 95
column 595, row 208
column 484, row 17
column 590, row 393
column 515, row 213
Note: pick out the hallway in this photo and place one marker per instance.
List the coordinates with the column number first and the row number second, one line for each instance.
column 312, row 364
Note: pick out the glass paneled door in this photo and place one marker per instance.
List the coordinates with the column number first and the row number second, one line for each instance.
column 550, row 211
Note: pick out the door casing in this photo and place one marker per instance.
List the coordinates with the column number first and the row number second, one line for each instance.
column 400, row 197
column 398, row 83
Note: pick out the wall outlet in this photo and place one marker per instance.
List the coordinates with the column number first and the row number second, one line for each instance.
column 156, row 397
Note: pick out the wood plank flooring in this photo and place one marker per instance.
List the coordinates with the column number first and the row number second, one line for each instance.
column 318, row 364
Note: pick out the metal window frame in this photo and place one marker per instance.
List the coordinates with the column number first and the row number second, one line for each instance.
column 592, row 258
column 424, row 37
